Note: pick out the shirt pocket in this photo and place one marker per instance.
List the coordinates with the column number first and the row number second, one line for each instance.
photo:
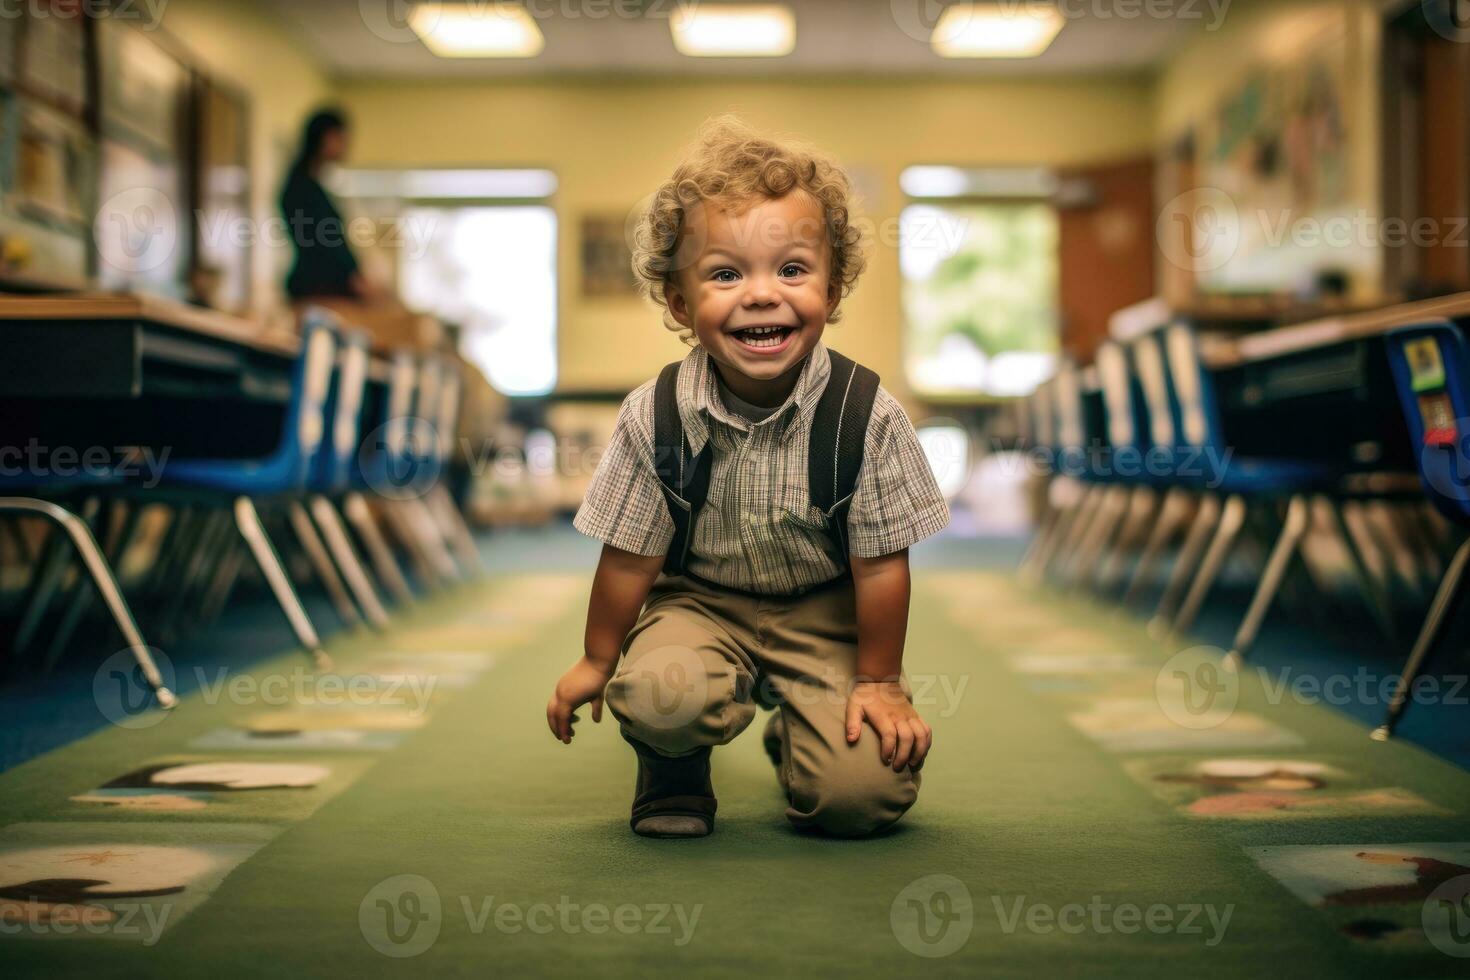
column 794, row 509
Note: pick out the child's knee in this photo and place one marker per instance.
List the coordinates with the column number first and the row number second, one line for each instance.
column 676, row 699
column 850, row 798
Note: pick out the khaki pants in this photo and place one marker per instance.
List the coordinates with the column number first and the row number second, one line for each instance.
column 700, row 658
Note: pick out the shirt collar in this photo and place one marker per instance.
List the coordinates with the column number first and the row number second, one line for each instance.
column 699, row 397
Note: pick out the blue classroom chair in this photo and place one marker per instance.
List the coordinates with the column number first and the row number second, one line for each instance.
column 1430, row 363
column 281, row 475
column 1205, row 464
column 384, row 465
column 331, row 473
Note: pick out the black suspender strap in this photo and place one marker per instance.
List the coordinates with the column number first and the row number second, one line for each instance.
column 684, row 476
column 839, row 430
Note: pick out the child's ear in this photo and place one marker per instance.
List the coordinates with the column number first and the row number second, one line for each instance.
column 676, row 304
column 834, row 296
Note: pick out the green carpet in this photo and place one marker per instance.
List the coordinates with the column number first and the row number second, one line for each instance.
column 1079, row 816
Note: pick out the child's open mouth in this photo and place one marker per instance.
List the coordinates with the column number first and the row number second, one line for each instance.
column 766, row 340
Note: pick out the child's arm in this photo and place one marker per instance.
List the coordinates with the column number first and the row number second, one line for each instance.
column 618, row 590
column 882, row 587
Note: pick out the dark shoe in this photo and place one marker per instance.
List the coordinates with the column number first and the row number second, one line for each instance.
column 674, row 797
column 773, row 736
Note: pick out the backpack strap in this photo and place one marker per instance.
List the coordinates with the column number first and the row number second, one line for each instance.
column 684, row 476
column 839, row 430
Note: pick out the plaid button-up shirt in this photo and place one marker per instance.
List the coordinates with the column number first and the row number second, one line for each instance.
column 758, row 530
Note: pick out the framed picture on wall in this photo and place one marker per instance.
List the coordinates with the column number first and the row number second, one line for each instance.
column 607, row 260
column 54, row 167
column 54, row 63
column 144, row 88
column 221, row 274
column 9, row 40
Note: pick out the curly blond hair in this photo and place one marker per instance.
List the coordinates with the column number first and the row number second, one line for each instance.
column 733, row 167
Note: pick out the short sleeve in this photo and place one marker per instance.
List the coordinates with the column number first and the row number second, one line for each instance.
column 897, row 501
column 624, row 506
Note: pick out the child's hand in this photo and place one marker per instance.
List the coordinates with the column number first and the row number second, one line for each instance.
column 905, row 737
column 584, row 682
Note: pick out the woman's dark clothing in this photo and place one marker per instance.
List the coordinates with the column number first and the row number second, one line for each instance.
column 324, row 263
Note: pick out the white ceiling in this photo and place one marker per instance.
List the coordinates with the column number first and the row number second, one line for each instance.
column 370, row 38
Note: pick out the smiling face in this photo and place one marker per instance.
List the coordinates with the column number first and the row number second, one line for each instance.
column 758, row 292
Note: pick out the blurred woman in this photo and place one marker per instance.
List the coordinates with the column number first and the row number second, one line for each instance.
column 325, row 265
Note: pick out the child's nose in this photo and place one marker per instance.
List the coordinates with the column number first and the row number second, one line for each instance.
column 760, row 291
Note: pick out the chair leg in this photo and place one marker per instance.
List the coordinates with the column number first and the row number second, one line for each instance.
column 1205, row 520
column 81, row 603
column 1141, row 512
column 1063, row 532
column 1064, row 544
column 247, row 519
column 1369, row 585
column 1445, row 600
column 96, row 565
column 1108, row 522
column 45, row 581
column 1045, row 527
column 212, row 529
column 1094, row 504
column 1277, row 564
column 335, row 536
column 1171, row 515
column 1231, row 521
column 217, row 593
column 321, row 564
column 431, row 558
column 421, row 520
column 456, row 531
column 371, row 536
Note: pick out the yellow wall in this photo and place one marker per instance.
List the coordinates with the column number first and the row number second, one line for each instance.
column 239, row 42
column 611, row 141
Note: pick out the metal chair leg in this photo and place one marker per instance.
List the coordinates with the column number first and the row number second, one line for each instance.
column 371, row 536
column 454, row 528
column 1171, row 515
column 1282, row 553
column 421, row 519
column 1445, row 600
column 1200, row 531
column 1063, row 547
column 1142, row 511
column 1082, row 531
column 1046, row 525
column 347, row 561
column 212, row 528
column 1369, row 585
column 1231, row 521
column 1110, row 514
column 45, row 581
column 421, row 539
column 247, row 519
column 321, row 564
column 96, row 565
column 217, row 593
column 1067, row 521
column 125, row 532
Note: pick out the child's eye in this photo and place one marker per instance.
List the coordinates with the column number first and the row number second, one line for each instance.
column 791, row 269
column 725, row 275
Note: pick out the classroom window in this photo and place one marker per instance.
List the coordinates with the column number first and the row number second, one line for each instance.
column 477, row 248
column 978, row 257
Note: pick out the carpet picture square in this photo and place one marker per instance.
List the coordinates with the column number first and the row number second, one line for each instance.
column 131, row 882
column 238, row 788
column 1264, row 788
